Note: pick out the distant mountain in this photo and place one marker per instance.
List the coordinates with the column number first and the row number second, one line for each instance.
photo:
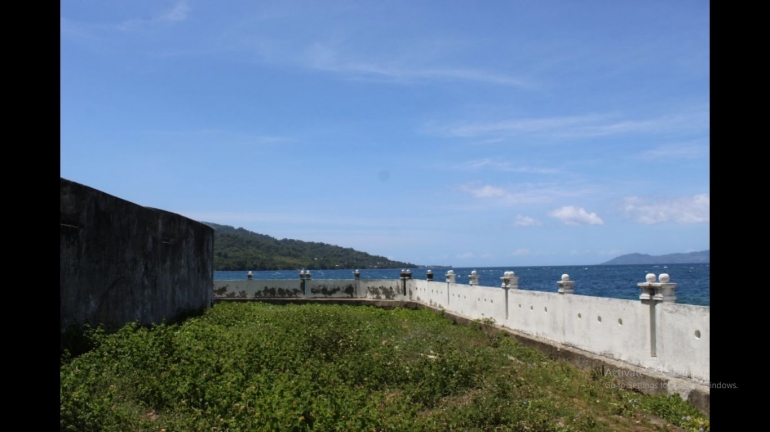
column 675, row 258
column 240, row 249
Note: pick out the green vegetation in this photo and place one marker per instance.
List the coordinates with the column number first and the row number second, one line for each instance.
column 253, row 366
column 240, row 249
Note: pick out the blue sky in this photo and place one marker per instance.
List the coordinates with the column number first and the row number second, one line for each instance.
column 497, row 133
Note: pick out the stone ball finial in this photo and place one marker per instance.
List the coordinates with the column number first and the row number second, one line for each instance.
column 650, row 277
column 565, row 277
column 430, row 271
column 250, row 273
column 451, row 272
column 473, row 272
column 664, row 278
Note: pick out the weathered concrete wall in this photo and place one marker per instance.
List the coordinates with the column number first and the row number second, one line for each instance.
column 120, row 262
column 614, row 328
column 332, row 288
column 385, row 289
column 684, row 333
column 472, row 301
column 258, row 288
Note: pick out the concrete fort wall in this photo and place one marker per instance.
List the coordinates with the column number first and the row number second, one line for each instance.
column 672, row 339
column 683, row 339
column 387, row 289
column 667, row 337
column 653, row 333
column 258, row 288
column 379, row 289
column 120, row 262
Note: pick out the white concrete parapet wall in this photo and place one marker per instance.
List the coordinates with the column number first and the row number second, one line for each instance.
column 614, row 328
column 433, row 293
column 683, row 339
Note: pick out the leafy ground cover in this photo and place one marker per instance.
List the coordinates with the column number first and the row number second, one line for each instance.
column 254, row 366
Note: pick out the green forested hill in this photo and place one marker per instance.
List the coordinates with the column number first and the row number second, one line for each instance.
column 675, row 258
column 240, row 249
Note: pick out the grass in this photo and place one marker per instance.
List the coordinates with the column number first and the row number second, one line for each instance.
column 253, row 367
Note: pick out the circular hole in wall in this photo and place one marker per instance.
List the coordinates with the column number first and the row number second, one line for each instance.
column 519, row 305
column 620, row 321
column 531, row 308
column 599, row 318
column 697, row 334
column 491, row 301
column 545, row 309
column 580, row 316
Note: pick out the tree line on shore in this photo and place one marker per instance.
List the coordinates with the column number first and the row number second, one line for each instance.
column 240, row 249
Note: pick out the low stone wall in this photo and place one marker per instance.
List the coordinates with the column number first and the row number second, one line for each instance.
column 385, row 289
column 120, row 262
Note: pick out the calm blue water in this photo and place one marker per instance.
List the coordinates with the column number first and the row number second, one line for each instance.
column 614, row 281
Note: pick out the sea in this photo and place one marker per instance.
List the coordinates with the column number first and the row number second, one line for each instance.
column 614, row 281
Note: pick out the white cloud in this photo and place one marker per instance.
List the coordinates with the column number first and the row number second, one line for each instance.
column 219, row 135
column 526, row 221
column 689, row 121
column 480, row 164
column 676, row 151
column 465, row 255
column 486, row 191
column 578, row 126
column 178, row 13
column 521, row 252
column 694, row 209
column 490, row 141
column 519, row 125
column 523, row 193
column 326, row 58
column 533, row 170
column 571, row 215
column 487, row 255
